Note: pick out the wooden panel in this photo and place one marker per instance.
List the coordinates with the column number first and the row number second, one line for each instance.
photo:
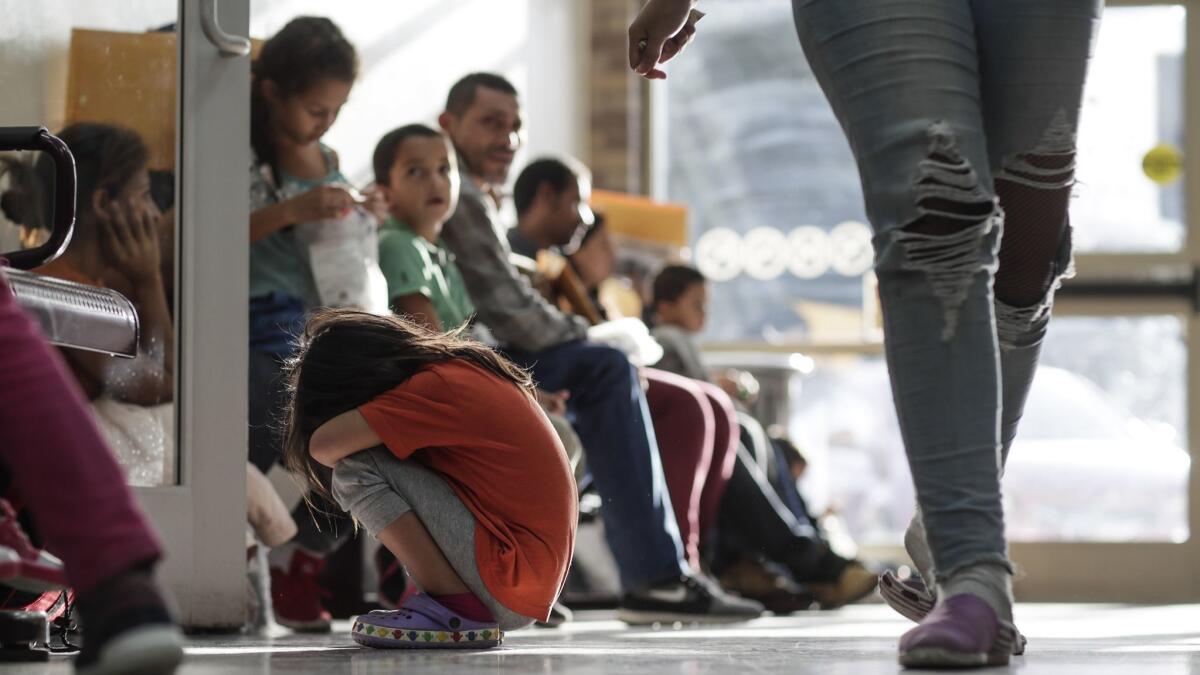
column 642, row 219
column 126, row 79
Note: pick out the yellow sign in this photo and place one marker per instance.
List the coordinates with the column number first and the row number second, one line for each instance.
column 1163, row 164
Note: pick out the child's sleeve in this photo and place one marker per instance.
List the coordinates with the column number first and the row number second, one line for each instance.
column 420, row 413
column 404, row 267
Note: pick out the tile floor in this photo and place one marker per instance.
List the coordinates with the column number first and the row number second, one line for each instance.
column 1090, row 639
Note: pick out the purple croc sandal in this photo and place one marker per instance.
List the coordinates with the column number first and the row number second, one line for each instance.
column 423, row 623
column 912, row 600
column 961, row 632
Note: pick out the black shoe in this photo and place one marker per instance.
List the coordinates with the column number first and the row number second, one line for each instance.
column 127, row 629
column 559, row 614
column 689, row 599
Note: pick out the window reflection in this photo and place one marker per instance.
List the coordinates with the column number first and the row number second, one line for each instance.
column 104, row 80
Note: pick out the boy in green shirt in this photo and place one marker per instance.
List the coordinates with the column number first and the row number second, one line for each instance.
column 418, row 175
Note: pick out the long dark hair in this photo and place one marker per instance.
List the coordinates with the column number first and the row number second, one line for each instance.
column 346, row 358
column 305, row 51
column 107, row 157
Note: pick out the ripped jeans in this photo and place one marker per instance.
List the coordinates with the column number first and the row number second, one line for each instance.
column 961, row 115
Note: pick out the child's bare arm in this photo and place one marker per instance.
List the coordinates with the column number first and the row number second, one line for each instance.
column 341, row 437
column 417, row 308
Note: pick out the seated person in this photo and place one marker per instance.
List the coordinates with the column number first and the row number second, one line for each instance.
column 779, row 548
column 483, row 121
column 695, row 423
column 116, row 245
column 679, row 307
column 439, row 450
column 546, row 196
column 418, row 177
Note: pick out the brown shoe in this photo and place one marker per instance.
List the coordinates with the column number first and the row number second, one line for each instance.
column 855, row 583
column 778, row 593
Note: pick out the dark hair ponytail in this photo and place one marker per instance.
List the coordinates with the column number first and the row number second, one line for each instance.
column 305, row 51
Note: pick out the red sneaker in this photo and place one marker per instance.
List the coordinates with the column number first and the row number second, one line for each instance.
column 297, row 596
column 22, row 565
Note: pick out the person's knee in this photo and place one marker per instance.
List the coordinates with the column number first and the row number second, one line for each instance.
column 1035, row 255
column 954, row 234
column 680, row 398
column 1048, row 166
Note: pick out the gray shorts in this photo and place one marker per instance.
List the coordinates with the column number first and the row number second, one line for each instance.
column 377, row 488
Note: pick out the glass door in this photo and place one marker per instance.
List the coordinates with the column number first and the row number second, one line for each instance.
column 203, row 516
column 155, row 114
column 1102, row 469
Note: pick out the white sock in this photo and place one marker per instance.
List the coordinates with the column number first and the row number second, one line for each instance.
column 918, row 549
column 991, row 582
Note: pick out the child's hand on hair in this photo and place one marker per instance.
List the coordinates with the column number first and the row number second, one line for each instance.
column 323, row 202
column 131, row 238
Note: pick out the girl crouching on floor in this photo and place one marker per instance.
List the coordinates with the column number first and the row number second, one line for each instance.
column 439, row 450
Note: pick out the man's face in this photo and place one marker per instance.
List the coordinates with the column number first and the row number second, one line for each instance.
column 488, row 133
column 568, row 212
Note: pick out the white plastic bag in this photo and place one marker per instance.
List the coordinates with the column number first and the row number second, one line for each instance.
column 344, row 256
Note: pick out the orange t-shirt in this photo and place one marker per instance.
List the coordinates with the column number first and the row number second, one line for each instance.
column 499, row 453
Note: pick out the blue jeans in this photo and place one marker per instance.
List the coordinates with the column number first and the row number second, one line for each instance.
column 611, row 418
column 957, row 111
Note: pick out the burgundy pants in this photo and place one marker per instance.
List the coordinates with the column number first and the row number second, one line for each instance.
column 697, row 430
column 60, row 468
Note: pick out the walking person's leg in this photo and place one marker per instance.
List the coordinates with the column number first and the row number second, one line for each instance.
column 1033, row 63
column 903, row 79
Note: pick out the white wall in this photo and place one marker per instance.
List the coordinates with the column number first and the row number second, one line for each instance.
column 412, row 51
column 34, row 36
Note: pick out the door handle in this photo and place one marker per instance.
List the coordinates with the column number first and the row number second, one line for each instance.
column 228, row 45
